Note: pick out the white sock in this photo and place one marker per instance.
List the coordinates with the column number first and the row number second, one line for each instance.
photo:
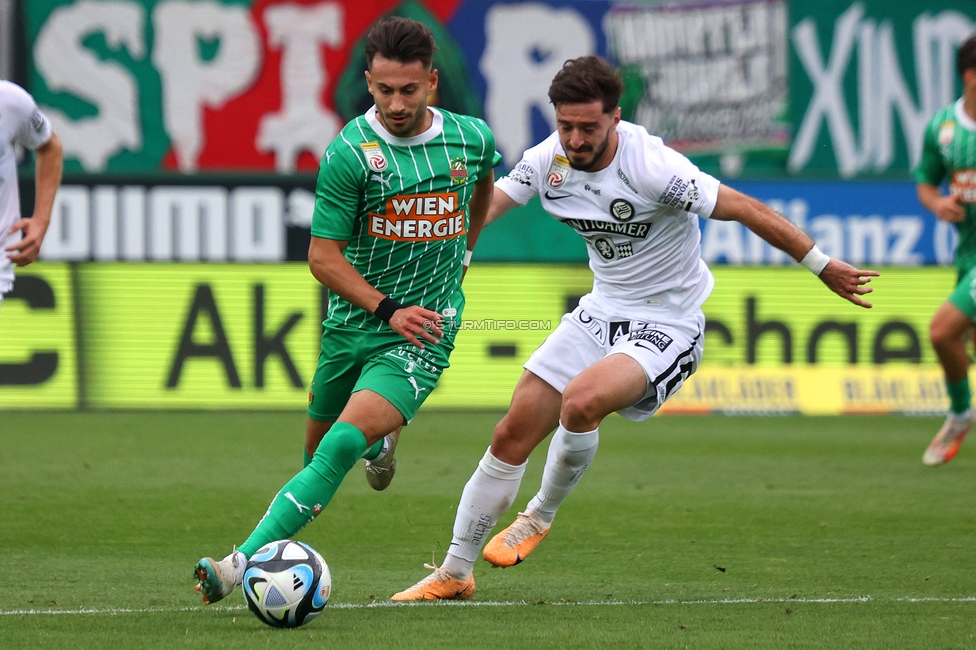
column 569, row 456
column 488, row 494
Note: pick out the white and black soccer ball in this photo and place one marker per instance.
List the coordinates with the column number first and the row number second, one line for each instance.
column 287, row 583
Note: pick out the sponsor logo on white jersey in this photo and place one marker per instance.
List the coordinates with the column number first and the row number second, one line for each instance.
column 522, row 173
column 658, row 339
column 680, row 193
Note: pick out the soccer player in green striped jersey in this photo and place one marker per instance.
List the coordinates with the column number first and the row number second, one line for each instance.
column 401, row 197
column 949, row 153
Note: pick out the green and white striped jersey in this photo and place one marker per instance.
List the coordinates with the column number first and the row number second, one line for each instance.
column 402, row 204
column 949, row 152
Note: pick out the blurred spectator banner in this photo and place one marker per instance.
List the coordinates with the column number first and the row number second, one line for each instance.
column 773, row 87
column 247, row 336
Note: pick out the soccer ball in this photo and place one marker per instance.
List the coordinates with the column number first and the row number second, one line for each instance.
column 286, row 583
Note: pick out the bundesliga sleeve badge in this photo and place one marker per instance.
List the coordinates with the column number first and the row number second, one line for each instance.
column 375, row 157
column 557, row 173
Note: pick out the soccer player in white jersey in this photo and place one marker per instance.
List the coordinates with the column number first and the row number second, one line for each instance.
column 635, row 338
column 21, row 123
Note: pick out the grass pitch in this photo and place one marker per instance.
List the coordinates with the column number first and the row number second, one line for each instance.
column 685, row 532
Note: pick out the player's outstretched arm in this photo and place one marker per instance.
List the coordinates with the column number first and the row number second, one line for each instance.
column 47, row 178
column 329, row 267
column 501, row 203
column 843, row 279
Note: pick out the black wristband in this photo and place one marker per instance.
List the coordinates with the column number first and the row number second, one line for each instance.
column 385, row 310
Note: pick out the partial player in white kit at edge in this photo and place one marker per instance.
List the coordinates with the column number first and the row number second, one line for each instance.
column 635, row 338
column 22, row 123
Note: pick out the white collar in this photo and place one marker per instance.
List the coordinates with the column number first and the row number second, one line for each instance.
column 967, row 122
column 436, row 128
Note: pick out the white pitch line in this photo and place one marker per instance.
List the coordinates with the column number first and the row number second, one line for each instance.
column 499, row 603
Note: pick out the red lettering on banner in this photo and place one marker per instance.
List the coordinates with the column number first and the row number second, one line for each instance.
column 231, row 138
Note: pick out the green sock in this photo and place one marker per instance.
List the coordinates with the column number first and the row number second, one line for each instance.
column 307, row 494
column 306, row 459
column 959, row 395
column 374, row 450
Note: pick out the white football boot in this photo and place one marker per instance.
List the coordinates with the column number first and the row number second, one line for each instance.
column 946, row 442
column 218, row 579
column 380, row 470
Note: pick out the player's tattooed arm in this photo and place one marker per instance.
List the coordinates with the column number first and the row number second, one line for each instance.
column 329, row 267
column 840, row 277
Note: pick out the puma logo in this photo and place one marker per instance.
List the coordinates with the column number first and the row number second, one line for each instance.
column 301, row 508
column 417, row 389
column 385, row 182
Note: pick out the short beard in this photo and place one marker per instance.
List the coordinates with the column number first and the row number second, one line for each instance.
column 597, row 154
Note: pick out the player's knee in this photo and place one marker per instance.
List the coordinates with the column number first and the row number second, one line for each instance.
column 580, row 409
column 940, row 334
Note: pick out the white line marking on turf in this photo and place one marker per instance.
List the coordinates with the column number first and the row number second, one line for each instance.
column 498, row 603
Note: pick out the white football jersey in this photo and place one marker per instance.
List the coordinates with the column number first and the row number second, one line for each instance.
column 21, row 123
column 639, row 217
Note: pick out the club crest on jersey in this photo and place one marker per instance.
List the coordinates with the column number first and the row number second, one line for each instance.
column 374, row 156
column 604, row 246
column 459, row 171
column 621, row 210
column 946, row 133
column 558, row 171
column 419, row 218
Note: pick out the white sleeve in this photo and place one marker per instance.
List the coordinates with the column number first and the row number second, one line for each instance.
column 30, row 127
column 676, row 182
column 522, row 183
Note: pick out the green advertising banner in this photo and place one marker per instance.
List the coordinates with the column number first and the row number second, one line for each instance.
column 865, row 78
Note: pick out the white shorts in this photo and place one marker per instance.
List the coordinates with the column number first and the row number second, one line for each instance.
column 669, row 352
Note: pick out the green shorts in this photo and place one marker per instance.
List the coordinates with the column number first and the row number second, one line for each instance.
column 963, row 297
column 383, row 362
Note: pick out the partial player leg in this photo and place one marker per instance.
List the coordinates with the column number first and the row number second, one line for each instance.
column 492, row 488
column 947, row 332
column 367, row 418
column 380, row 461
column 608, row 385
